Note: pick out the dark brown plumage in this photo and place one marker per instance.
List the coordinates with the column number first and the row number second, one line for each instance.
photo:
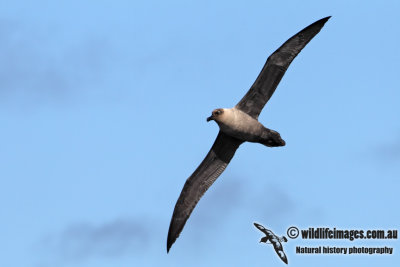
column 274, row 69
column 238, row 125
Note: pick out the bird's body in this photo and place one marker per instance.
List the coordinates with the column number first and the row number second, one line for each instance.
column 238, row 125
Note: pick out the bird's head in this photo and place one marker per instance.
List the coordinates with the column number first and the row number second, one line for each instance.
column 264, row 239
column 216, row 114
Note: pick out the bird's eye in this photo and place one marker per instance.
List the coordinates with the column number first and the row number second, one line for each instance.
column 217, row 112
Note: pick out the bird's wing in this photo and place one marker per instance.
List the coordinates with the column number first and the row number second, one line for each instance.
column 274, row 69
column 197, row 184
column 279, row 250
column 263, row 229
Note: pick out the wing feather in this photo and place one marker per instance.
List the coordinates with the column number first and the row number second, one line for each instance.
column 261, row 228
column 274, row 69
column 266, row 231
column 279, row 250
column 197, row 184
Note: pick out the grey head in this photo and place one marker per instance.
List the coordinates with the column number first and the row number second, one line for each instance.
column 216, row 113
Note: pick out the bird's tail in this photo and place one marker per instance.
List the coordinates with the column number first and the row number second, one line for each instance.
column 271, row 138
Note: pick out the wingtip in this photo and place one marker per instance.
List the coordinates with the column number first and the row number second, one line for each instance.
column 169, row 244
column 323, row 20
column 318, row 24
column 171, row 240
column 284, row 259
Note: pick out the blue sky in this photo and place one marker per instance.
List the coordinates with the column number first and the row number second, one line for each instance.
column 103, row 107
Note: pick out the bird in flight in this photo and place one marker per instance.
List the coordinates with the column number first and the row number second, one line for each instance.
column 237, row 125
column 274, row 240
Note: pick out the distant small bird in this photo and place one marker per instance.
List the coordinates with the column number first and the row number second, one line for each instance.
column 237, row 125
column 274, row 240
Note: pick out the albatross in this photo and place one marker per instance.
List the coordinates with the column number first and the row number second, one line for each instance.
column 238, row 125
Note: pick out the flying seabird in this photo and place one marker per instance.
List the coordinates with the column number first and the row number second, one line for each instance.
column 274, row 240
column 237, row 125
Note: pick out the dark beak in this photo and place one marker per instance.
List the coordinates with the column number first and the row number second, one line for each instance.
column 211, row 118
